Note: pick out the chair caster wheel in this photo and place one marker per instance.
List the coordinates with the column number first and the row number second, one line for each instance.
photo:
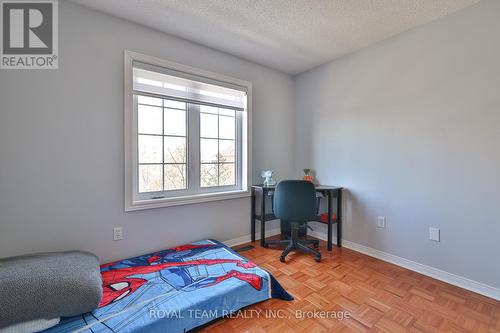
column 318, row 259
column 266, row 246
column 282, row 259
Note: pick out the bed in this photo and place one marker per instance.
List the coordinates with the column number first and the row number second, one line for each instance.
column 175, row 290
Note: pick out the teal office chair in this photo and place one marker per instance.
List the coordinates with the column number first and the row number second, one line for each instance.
column 295, row 205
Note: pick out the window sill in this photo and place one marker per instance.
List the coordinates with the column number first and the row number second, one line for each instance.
column 185, row 200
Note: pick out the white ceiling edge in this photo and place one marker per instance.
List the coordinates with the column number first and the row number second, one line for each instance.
column 293, row 38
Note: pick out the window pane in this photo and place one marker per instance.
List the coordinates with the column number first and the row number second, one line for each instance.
column 149, row 119
column 175, row 149
column 174, row 104
column 208, row 125
column 227, row 150
column 150, row 178
column 150, row 149
column 227, row 127
column 175, row 122
column 208, row 175
column 227, row 174
column 227, row 112
column 175, row 177
column 209, row 109
column 208, row 150
column 149, row 100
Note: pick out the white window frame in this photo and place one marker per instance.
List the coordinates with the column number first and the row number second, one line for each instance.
column 133, row 200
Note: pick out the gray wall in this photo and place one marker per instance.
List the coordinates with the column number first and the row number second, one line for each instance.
column 411, row 126
column 61, row 144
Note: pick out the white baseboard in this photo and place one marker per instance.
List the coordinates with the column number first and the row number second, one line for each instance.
column 247, row 238
column 435, row 273
column 321, row 235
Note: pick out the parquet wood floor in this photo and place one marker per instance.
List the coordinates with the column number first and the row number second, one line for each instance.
column 380, row 297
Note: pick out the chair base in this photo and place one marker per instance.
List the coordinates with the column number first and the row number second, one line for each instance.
column 297, row 244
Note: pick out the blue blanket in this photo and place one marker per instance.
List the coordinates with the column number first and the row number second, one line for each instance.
column 175, row 290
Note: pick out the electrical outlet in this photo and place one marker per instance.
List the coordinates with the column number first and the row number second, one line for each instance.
column 381, row 221
column 117, row 233
column 434, row 234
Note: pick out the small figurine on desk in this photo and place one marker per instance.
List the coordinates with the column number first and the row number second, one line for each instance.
column 268, row 175
column 308, row 176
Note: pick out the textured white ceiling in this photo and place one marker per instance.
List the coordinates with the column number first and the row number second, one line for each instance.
column 289, row 35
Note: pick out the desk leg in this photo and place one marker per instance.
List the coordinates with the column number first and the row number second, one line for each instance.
column 339, row 219
column 263, row 220
column 252, row 218
column 329, row 198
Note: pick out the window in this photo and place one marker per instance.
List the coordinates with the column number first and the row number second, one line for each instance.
column 186, row 134
column 162, row 144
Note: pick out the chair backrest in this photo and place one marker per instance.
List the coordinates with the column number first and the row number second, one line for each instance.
column 295, row 200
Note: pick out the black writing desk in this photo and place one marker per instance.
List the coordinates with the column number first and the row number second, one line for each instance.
column 329, row 192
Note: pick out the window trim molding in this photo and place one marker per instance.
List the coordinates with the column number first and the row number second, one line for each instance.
column 132, row 204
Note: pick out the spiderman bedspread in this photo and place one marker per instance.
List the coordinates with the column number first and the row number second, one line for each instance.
column 175, row 290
